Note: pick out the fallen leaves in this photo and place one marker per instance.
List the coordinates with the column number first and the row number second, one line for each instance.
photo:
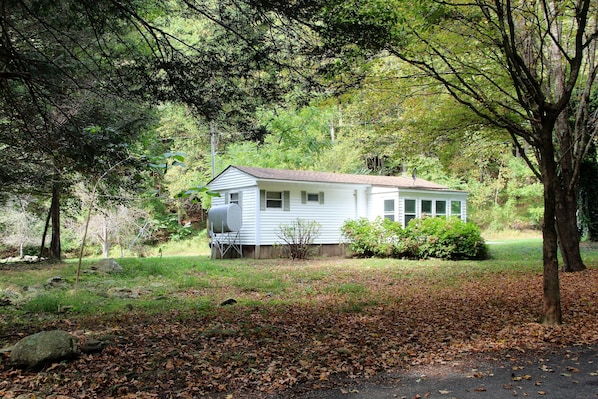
column 266, row 348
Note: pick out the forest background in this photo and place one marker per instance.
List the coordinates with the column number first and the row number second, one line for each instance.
column 124, row 112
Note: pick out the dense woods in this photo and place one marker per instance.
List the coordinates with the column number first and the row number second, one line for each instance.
column 127, row 104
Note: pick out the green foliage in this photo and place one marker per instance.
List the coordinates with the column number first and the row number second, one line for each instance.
column 380, row 238
column 298, row 237
column 448, row 238
column 423, row 238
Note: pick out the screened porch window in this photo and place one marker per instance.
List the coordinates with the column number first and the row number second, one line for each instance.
column 389, row 209
column 426, row 207
column 440, row 208
column 456, row 209
column 410, row 210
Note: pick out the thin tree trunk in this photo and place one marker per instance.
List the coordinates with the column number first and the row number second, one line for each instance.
column 42, row 248
column 105, row 239
column 55, row 250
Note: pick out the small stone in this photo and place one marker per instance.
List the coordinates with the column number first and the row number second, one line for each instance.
column 229, row 301
column 93, row 346
column 56, row 282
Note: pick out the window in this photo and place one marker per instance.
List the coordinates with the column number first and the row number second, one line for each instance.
column 426, row 207
column 440, row 208
column 274, row 199
column 410, row 211
column 233, row 198
column 389, row 209
column 456, row 208
column 307, row 197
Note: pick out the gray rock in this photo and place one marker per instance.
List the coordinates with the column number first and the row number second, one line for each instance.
column 35, row 350
column 56, row 282
column 108, row 266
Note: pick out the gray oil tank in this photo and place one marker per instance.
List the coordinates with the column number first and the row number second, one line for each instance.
column 225, row 218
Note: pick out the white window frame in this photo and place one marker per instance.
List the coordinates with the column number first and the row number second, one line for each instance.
column 460, row 208
column 234, row 198
column 390, row 213
column 270, row 201
column 413, row 214
column 428, row 213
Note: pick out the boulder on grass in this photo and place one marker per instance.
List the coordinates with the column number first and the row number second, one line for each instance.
column 44, row 347
column 108, row 265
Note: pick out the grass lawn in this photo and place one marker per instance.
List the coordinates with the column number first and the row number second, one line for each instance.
column 302, row 322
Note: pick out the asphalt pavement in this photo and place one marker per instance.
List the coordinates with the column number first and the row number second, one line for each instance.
column 563, row 373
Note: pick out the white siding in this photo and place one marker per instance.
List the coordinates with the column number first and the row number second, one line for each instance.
column 376, row 202
column 340, row 204
column 232, row 179
column 236, row 181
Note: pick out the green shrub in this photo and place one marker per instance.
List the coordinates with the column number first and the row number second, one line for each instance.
column 377, row 238
column 430, row 237
column 448, row 238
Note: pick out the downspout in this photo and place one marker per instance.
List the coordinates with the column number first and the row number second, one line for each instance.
column 258, row 220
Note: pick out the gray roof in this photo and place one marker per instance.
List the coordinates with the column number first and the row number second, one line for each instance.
column 341, row 178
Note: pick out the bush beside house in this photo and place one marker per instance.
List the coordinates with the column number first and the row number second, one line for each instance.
column 429, row 237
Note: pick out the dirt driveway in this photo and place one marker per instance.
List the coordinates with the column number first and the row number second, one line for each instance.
column 567, row 373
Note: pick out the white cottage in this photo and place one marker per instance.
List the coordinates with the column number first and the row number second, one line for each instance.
column 271, row 197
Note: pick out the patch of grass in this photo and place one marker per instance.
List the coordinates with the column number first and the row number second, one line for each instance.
column 348, row 288
column 516, row 251
column 198, row 284
column 65, row 301
column 197, row 245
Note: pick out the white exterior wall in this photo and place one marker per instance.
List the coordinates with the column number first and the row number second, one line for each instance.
column 340, row 204
column 377, row 195
column 235, row 181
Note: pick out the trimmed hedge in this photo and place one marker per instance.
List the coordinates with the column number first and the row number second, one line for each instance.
column 429, row 237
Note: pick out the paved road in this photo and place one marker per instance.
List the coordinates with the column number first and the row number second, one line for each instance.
column 569, row 373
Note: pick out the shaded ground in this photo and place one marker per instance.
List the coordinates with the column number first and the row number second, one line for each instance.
column 375, row 333
column 558, row 374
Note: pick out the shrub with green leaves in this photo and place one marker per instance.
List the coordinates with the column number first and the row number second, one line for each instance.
column 430, row 237
column 448, row 238
column 379, row 238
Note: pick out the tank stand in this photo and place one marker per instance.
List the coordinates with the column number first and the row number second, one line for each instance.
column 226, row 242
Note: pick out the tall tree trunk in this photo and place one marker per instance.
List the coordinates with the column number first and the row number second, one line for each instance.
column 566, row 191
column 55, row 250
column 552, row 313
column 568, row 231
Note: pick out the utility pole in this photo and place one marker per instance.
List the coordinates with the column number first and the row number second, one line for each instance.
column 332, row 129
column 213, row 146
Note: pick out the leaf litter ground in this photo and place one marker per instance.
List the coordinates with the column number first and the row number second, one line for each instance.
column 364, row 325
